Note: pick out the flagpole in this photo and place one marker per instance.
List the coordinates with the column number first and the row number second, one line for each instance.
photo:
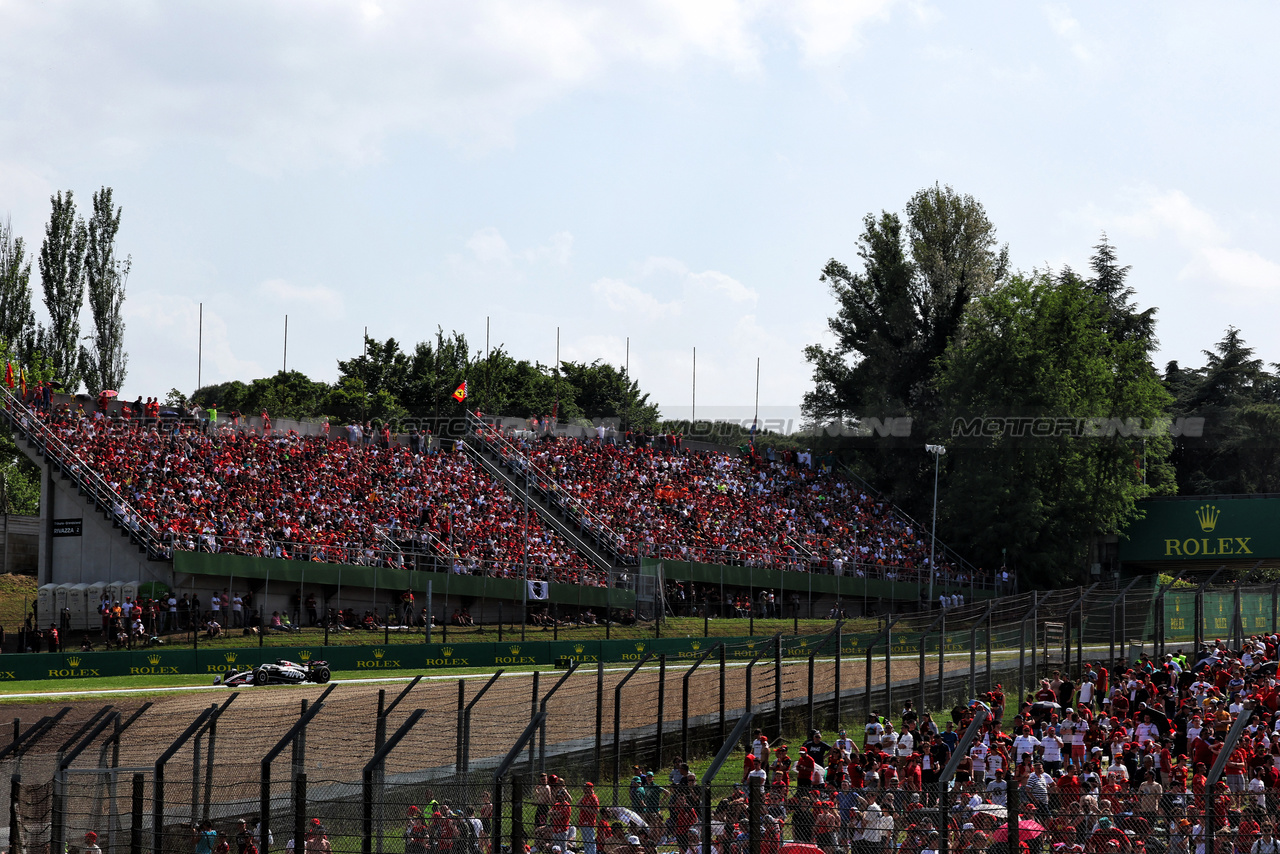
column 284, row 366
column 755, row 416
column 693, row 415
column 200, row 348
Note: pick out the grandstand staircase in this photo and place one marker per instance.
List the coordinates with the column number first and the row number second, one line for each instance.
column 43, row 448
column 551, row 514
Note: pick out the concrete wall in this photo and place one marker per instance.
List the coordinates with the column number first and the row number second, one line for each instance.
column 100, row 553
column 19, row 544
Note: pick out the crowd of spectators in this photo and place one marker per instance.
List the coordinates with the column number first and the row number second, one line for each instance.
column 643, row 498
column 1101, row 762
column 232, row 489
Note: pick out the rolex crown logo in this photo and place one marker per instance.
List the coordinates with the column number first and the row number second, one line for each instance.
column 578, row 648
column 305, row 655
column 804, row 643
column 378, row 653
column 446, row 650
column 1207, row 516
column 639, row 647
column 696, row 645
column 74, row 661
column 154, row 659
column 230, row 657
column 515, row 650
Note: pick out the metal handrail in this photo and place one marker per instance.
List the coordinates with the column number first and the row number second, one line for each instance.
column 488, row 434
column 82, row 474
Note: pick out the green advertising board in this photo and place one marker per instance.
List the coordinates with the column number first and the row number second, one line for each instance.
column 1219, row 529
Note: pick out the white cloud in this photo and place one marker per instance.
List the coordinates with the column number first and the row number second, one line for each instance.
column 489, row 247
column 627, row 299
column 1214, row 259
column 1068, row 28
column 279, row 87
column 827, row 29
column 165, row 330
column 326, row 301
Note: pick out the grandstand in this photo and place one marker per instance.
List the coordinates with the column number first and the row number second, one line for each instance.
column 125, row 495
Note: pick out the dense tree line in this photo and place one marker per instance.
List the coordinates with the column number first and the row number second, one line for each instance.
column 1041, row 385
column 386, row 382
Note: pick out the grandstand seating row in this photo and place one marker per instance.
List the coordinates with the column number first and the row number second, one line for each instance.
column 231, row 489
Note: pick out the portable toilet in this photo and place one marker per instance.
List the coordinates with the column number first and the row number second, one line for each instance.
column 130, row 589
column 60, row 594
column 115, row 589
column 45, row 605
column 92, row 599
column 78, row 604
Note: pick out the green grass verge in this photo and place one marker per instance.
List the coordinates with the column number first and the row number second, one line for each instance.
column 17, row 592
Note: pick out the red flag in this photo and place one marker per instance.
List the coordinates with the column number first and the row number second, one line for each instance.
column 8, row 374
column 460, row 393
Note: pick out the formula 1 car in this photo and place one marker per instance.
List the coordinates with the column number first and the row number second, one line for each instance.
column 281, row 673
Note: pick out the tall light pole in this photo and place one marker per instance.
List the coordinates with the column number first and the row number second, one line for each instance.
column 937, row 451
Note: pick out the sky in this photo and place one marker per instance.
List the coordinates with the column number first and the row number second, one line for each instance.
column 640, row 178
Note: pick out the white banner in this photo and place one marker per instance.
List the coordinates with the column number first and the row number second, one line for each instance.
column 538, row 589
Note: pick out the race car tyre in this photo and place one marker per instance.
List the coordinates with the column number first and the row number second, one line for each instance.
column 320, row 674
column 260, row 676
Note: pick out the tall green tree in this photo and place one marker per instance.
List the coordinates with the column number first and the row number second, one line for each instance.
column 1239, row 401
column 17, row 318
column 896, row 315
column 1040, row 347
column 61, row 265
column 104, row 362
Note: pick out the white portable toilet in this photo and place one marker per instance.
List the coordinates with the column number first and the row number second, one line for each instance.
column 92, row 599
column 130, row 589
column 60, row 594
column 115, row 589
column 45, row 605
column 78, row 604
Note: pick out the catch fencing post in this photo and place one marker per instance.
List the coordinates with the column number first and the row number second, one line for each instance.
column 884, row 633
column 15, row 795
column 1022, row 645
column 973, row 651
column 1199, row 608
column 777, row 678
column 466, row 721
column 300, row 810
column 684, row 707
column 264, row 780
column 1111, row 662
column 533, row 713
column 839, row 654
column 157, row 799
column 942, row 656
column 457, row 727
column 1229, row 742
column 542, row 713
column 949, row 771
column 726, row 747
column 135, row 818
column 617, row 723
column 924, row 642
column 599, row 757
column 722, row 677
column 662, row 707
column 517, row 790
column 747, row 704
column 367, row 780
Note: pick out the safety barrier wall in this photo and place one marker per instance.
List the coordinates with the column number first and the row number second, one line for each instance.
column 408, row 658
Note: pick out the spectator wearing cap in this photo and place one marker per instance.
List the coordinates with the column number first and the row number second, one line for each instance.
column 90, row 844
column 588, row 817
